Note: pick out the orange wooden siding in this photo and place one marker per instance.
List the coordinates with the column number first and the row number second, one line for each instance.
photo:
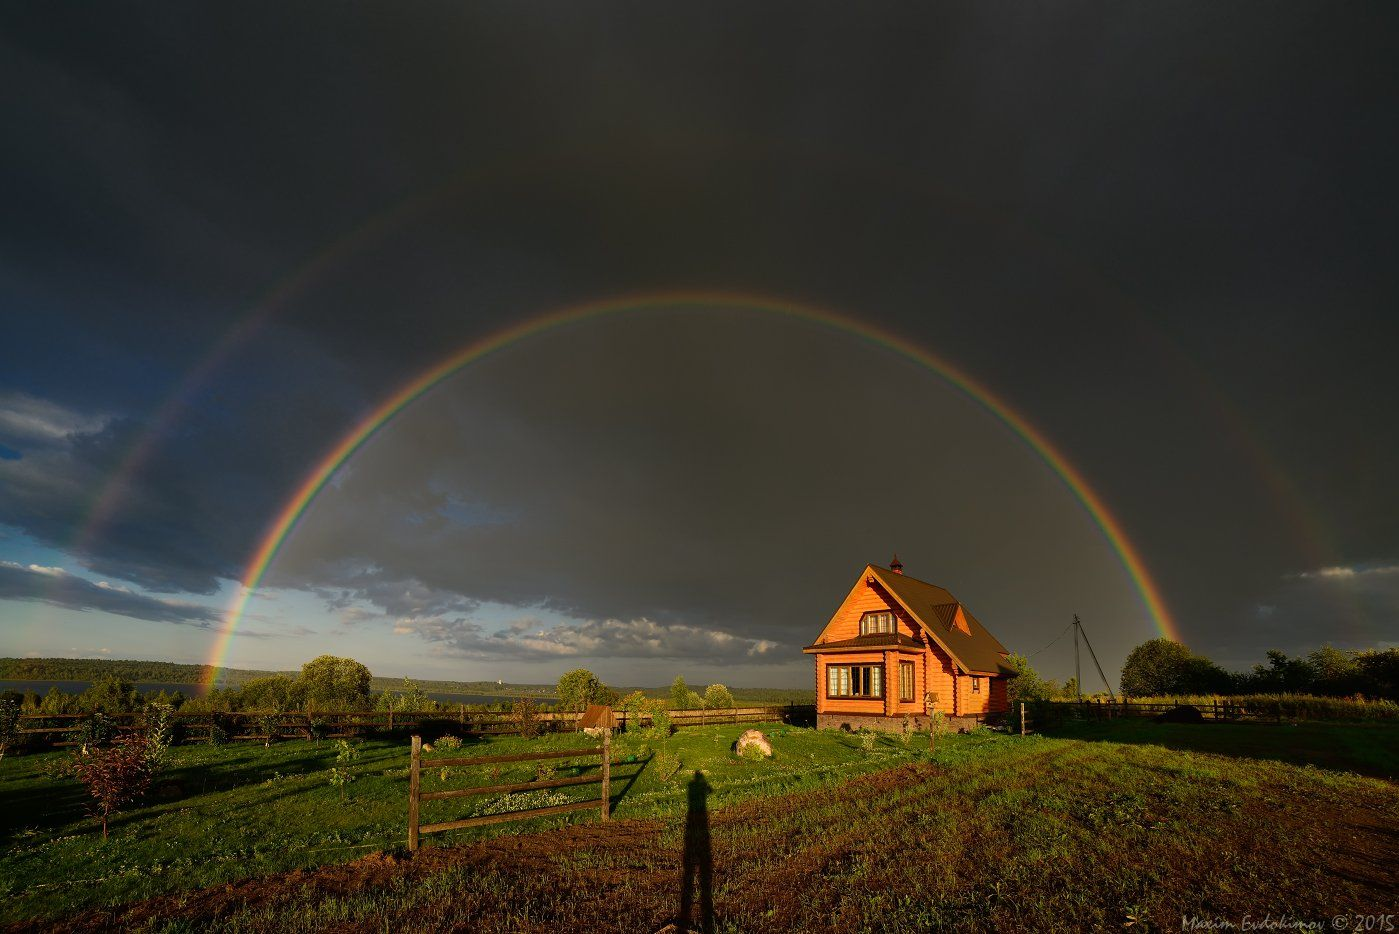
column 933, row 670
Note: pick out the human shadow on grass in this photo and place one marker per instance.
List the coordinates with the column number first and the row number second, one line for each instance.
column 697, row 862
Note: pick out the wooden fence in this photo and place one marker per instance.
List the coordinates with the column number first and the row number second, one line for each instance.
column 243, row 726
column 1221, row 710
column 416, row 795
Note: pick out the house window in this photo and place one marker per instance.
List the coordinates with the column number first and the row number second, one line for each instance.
column 976, row 685
column 906, row 681
column 855, row 681
column 876, row 622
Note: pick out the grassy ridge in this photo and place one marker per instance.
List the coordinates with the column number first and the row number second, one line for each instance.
column 135, row 671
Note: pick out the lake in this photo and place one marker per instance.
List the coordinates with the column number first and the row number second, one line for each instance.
column 198, row 690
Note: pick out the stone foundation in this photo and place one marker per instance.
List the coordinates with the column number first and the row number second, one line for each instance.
column 895, row 724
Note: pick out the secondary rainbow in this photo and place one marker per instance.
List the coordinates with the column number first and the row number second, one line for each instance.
column 286, row 519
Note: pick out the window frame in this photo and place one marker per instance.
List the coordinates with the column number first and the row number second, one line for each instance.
column 850, row 680
column 976, row 684
column 893, row 623
column 912, row 679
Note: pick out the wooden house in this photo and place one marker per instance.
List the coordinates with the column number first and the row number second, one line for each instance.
column 897, row 644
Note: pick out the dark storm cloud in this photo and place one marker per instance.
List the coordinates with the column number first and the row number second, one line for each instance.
column 59, row 588
column 1165, row 233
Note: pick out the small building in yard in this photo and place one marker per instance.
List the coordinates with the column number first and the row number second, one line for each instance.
column 895, row 641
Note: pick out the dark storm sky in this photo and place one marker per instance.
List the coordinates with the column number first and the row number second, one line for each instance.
column 1164, row 233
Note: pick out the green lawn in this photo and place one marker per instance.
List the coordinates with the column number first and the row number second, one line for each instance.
column 242, row 810
column 1366, row 748
column 990, row 831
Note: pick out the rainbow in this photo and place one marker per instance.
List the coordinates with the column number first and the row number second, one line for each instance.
column 286, row 519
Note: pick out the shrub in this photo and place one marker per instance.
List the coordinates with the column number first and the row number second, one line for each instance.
column 449, row 743
column 97, row 730
column 522, row 801
column 906, row 731
column 9, row 724
column 341, row 773
column 218, row 733
column 269, row 725
column 717, row 697
column 660, row 720
column 115, row 776
column 752, row 752
column 667, row 764
column 160, row 730
column 867, row 740
column 525, row 714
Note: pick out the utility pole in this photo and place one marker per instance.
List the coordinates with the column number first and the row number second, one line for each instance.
column 1078, row 626
column 1078, row 678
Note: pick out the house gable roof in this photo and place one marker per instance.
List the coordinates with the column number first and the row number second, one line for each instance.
column 942, row 617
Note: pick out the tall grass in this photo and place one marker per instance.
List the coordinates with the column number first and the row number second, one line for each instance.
column 1290, row 706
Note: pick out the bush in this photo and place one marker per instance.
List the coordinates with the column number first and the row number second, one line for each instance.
column 115, row 776
column 449, row 743
column 9, row 724
column 160, row 730
column 218, row 733
column 667, row 764
column 97, row 730
column 523, row 801
column 525, row 714
column 341, row 774
column 868, row 740
column 717, row 697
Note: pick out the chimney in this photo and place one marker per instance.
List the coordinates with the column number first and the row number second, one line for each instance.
column 896, row 566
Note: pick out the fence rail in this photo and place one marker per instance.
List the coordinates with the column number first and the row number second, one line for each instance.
column 1221, row 710
column 339, row 724
column 416, row 795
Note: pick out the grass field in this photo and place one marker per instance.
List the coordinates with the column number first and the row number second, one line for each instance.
column 990, row 831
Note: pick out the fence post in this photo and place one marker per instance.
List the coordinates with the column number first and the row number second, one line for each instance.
column 606, row 774
column 390, row 716
column 414, row 788
column 1022, row 718
column 461, row 714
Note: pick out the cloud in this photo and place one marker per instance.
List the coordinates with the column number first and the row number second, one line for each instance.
column 60, row 588
column 528, row 639
column 1343, row 573
column 26, row 418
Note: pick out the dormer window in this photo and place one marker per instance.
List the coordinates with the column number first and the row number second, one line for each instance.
column 870, row 623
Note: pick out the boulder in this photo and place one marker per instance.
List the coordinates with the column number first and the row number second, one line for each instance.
column 1185, row 713
column 754, row 739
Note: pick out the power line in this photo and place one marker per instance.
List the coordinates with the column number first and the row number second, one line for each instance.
column 1051, row 642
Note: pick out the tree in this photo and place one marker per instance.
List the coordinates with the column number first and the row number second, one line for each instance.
column 1283, row 674
column 110, row 695
column 579, row 688
column 1164, row 667
column 115, row 776
column 717, row 697
column 274, row 692
column 333, row 681
column 1027, row 685
column 679, row 694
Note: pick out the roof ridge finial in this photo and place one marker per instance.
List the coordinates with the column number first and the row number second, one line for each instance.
column 896, row 565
